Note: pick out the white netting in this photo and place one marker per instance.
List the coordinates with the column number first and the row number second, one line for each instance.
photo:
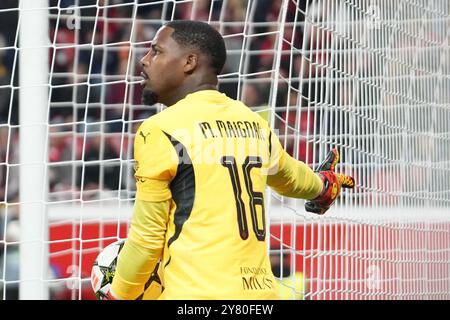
column 369, row 77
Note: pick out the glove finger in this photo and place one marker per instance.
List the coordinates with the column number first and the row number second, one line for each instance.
column 346, row 181
column 310, row 206
column 330, row 161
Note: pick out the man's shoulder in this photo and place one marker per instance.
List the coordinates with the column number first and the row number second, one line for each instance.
column 151, row 130
column 182, row 113
column 260, row 114
column 147, row 124
column 155, row 121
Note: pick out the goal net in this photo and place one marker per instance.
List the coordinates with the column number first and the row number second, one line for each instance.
column 369, row 77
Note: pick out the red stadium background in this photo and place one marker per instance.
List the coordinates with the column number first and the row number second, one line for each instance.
column 372, row 266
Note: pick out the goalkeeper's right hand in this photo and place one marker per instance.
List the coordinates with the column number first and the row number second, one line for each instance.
column 332, row 184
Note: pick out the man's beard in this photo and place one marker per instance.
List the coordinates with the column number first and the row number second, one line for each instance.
column 149, row 98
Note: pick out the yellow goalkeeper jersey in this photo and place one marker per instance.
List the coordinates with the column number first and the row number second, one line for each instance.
column 210, row 156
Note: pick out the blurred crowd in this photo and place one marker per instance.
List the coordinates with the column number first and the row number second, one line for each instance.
column 95, row 104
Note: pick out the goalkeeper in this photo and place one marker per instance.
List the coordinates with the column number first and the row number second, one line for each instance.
column 202, row 166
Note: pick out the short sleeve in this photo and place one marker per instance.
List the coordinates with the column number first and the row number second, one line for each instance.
column 156, row 163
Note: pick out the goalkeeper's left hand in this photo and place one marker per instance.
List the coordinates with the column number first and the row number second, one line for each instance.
column 332, row 184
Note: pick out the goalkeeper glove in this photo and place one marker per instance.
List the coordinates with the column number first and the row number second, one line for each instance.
column 332, row 184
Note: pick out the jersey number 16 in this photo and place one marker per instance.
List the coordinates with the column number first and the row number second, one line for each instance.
column 256, row 198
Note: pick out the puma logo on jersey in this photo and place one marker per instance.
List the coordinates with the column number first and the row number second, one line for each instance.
column 140, row 180
column 144, row 136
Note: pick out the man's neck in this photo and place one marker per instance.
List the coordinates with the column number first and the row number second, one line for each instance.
column 183, row 92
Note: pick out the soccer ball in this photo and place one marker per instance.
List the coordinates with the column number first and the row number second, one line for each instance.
column 103, row 270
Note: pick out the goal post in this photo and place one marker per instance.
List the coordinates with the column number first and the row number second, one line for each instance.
column 33, row 115
column 369, row 77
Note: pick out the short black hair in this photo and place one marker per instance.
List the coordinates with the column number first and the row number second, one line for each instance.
column 203, row 37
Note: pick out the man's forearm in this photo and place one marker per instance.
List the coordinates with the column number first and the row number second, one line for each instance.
column 142, row 250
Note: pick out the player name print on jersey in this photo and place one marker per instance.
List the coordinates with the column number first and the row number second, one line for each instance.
column 232, row 129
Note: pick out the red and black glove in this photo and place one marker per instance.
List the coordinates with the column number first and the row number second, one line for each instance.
column 332, row 184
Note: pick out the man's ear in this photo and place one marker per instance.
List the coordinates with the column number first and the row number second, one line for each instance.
column 191, row 63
